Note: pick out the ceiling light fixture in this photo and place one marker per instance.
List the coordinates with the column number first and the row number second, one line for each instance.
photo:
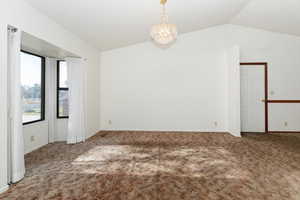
column 164, row 33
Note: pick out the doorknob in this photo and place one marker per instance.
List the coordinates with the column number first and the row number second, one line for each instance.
column 263, row 100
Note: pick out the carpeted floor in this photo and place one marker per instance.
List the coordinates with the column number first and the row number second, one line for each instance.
column 165, row 166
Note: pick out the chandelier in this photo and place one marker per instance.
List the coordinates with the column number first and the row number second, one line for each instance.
column 164, row 33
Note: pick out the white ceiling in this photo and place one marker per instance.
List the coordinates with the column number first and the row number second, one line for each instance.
column 115, row 23
column 275, row 15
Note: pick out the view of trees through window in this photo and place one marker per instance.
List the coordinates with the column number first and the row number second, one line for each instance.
column 32, row 87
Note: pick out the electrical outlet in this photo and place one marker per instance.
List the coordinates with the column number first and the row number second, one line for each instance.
column 109, row 122
column 285, row 124
column 32, row 138
column 216, row 124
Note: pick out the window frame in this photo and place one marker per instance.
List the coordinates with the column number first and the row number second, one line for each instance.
column 58, row 88
column 43, row 87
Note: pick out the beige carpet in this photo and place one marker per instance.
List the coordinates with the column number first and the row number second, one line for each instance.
column 166, row 166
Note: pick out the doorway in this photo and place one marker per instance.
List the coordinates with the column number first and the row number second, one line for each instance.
column 254, row 97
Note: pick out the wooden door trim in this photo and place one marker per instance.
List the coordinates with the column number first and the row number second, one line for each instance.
column 265, row 65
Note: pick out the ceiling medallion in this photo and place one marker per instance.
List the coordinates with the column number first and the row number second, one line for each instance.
column 164, row 33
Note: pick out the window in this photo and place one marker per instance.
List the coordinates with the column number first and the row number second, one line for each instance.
column 62, row 90
column 32, row 87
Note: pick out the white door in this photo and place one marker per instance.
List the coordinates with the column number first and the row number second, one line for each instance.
column 252, row 94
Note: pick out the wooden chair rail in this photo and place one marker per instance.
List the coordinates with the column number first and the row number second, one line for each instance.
column 283, row 101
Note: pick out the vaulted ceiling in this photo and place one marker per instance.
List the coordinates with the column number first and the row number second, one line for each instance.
column 113, row 23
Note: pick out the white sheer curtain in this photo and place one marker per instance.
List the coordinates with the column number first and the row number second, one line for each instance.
column 51, row 97
column 77, row 100
column 16, row 140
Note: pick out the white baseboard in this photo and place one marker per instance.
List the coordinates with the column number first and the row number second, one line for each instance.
column 3, row 189
column 168, row 130
column 165, row 130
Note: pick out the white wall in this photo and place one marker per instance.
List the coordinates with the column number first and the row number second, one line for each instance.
column 184, row 87
column 19, row 14
column 179, row 88
column 3, row 107
column 234, row 102
column 284, row 113
column 61, row 130
column 35, row 135
column 282, row 52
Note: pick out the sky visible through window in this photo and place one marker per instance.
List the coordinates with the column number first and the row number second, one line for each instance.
column 63, row 75
column 30, row 70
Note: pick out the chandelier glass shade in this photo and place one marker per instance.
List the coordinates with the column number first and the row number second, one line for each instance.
column 164, row 33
